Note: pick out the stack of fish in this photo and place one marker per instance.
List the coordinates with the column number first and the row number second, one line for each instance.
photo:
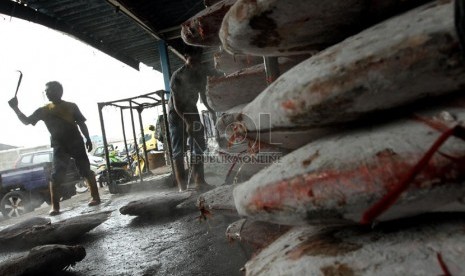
column 399, row 61
column 243, row 79
column 378, row 115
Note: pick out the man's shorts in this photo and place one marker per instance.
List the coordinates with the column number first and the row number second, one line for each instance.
column 61, row 159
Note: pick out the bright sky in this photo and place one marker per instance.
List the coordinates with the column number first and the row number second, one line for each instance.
column 88, row 76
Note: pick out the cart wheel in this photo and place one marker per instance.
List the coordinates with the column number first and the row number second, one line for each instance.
column 15, row 204
column 81, row 187
column 113, row 187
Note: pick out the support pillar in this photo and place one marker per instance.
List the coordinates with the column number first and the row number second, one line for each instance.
column 165, row 64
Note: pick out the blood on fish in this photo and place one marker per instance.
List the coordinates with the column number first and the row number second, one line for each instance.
column 320, row 187
column 204, row 213
column 201, row 31
column 391, row 197
column 443, row 265
column 289, row 104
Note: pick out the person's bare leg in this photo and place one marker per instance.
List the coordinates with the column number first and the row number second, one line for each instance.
column 199, row 177
column 180, row 173
column 92, row 183
column 54, row 199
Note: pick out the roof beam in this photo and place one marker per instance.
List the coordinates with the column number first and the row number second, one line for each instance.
column 150, row 30
column 171, row 33
column 15, row 9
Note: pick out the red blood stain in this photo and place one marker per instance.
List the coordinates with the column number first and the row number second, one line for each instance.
column 288, row 104
column 379, row 177
column 391, row 197
column 443, row 265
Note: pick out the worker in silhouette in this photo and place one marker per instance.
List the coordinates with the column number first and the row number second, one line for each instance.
column 187, row 83
column 62, row 120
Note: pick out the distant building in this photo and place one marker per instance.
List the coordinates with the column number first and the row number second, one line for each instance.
column 6, row 147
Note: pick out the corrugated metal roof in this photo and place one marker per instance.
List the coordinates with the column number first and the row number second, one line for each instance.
column 127, row 30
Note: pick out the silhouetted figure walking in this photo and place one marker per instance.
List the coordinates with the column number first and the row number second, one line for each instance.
column 62, row 120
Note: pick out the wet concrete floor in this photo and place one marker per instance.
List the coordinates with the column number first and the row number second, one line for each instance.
column 179, row 244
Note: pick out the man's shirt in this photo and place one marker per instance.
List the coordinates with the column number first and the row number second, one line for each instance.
column 186, row 84
column 61, row 120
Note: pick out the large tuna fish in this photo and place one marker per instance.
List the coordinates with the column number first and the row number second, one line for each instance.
column 14, row 230
column 43, row 260
column 218, row 201
column 257, row 234
column 397, row 62
column 202, row 29
column 336, row 179
column 65, row 231
column 419, row 249
column 160, row 205
column 277, row 28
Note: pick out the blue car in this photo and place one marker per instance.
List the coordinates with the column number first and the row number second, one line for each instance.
column 26, row 187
